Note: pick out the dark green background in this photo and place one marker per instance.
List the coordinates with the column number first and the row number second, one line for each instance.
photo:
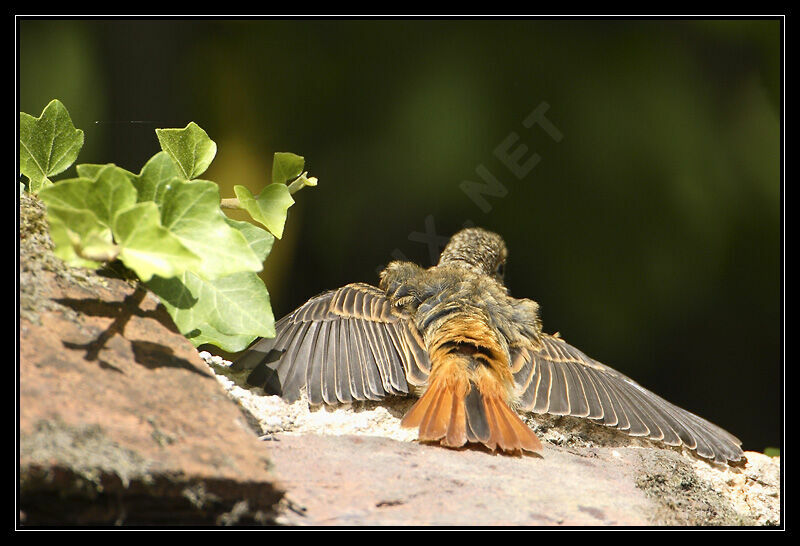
column 650, row 233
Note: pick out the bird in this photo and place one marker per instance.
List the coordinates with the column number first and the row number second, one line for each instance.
column 475, row 356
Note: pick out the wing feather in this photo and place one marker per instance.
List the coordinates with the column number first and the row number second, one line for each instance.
column 343, row 345
column 563, row 380
column 355, row 364
column 329, row 364
column 594, row 404
column 314, row 366
column 344, row 389
column 541, row 401
column 294, row 378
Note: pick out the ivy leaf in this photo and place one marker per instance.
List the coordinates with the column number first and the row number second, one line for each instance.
column 154, row 179
column 78, row 234
column 190, row 210
column 69, row 194
column 92, row 171
column 149, row 248
column 286, row 166
column 229, row 312
column 260, row 240
column 48, row 144
column 190, row 148
column 85, row 213
column 80, row 213
column 269, row 207
column 111, row 192
column 89, row 170
column 205, row 333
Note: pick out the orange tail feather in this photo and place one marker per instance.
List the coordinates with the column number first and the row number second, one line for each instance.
column 433, row 413
column 470, row 386
column 508, row 432
column 441, row 415
column 457, row 429
column 437, row 418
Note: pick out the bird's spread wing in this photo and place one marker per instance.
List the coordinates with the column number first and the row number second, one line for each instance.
column 559, row 379
column 343, row 345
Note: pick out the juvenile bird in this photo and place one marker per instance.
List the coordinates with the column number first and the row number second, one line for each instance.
column 477, row 355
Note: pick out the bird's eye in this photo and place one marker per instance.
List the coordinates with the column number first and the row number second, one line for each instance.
column 501, row 269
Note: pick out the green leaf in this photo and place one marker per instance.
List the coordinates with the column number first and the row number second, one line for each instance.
column 190, row 210
column 80, row 213
column 205, row 333
column 108, row 191
column 71, row 194
column 48, row 144
column 155, row 177
column 190, row 148
column 77, row 234
column 260, row 240
column 149, row 248
column 174, row 295
column 286, row 166
column 111, row 192
column 92, row 171
column 89, row 170
column 269, row 207
column 228, row 312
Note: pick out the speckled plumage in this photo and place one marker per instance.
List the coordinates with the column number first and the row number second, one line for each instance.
column 454, row 335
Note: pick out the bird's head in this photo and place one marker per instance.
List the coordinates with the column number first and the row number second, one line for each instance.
column 478, row 250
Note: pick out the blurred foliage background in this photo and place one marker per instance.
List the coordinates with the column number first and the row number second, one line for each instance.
column 650, row 233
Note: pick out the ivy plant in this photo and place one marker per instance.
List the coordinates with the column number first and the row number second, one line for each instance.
column 165, row 223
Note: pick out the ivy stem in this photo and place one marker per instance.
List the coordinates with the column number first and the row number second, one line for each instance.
column 301, row 182
column 298, row 184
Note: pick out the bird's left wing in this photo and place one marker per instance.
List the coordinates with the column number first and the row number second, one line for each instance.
column 555, row 377
column 343, row 345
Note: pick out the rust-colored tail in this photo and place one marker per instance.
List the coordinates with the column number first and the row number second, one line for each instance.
column 440, row 414
column 468, row 396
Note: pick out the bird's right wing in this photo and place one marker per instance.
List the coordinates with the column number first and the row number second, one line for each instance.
column 557, row 378
column 343, row 345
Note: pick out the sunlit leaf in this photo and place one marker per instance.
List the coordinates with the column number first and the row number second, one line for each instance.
column 286, row 166
column 229, row 312
column 78, row 212
column 48, row 144
column 154, row 179
column 190, row 148
column 149, row 248
column 190, row 210
column 260, row 240
column 73, row 230
column 269, row 208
